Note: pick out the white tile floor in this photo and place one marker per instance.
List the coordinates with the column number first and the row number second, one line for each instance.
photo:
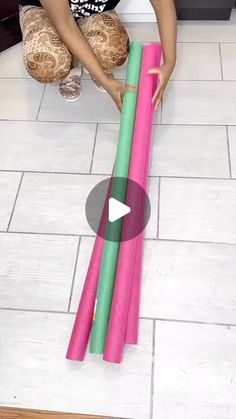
column 51, row 154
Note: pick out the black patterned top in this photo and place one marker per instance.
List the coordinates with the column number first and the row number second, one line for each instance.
column 81, row 8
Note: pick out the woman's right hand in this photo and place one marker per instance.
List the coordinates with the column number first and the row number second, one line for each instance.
column 116, row 90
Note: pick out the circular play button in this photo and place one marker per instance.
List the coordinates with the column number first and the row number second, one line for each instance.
column 118, row 209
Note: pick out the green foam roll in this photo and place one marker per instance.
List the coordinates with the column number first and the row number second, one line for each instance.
column 121, row 170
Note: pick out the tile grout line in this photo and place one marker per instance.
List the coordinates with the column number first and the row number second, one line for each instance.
column 15, row 201
column 34, row 233
column 221, row 63
column 158, row 124
column 41, row 101
column 108, row 175
column 153, row 369
column 229, row 153
column 156, row 319
column 74, row 273
column 158, row 208
column 94, row 147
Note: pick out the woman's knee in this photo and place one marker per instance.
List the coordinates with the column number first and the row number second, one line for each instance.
column 108, row 38
column 47, row 68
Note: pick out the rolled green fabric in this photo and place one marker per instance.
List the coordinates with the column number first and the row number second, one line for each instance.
column 121, row 170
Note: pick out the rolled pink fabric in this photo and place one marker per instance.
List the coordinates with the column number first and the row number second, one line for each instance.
column 131, row 250
column 84, row 318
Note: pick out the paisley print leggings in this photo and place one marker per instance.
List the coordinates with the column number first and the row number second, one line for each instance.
column 46, row 57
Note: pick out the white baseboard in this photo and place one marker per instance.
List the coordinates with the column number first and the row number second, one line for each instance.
column 138, row 17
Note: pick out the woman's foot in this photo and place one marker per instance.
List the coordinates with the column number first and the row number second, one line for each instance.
column 70, row 88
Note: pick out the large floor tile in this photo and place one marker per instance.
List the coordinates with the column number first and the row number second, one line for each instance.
column 105, row 148
column 228, row 54
column 177, row 151
column 199, row 61
column 94, row 106
column 9, row 183
column 189, row 281
column 153, row 192
column 46, row 146
column 193, row 209
column 35, row 374
column 200, row 102
column 20, row 98
column 11, row 63
column 232, row 144
column 188, row 31
column 36, row 271
column 191, row 151
column 195, row 371
column 53, row 203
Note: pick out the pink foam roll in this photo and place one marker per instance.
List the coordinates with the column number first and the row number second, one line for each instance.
column 84, row 318
column 131, row 336
column 138, row 173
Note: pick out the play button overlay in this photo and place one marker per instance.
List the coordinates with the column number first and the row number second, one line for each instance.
column 117, row 209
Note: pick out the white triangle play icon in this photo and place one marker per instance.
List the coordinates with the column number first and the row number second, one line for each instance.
column 117, row 210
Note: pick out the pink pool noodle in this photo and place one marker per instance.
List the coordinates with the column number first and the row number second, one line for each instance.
column 84, row 318
column 138, row 173
column 131, row 336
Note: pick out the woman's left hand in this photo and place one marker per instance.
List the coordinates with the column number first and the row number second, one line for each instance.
column 164, row 73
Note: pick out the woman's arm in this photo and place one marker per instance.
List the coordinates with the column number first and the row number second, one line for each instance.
column 167, row 23
column 63, row 20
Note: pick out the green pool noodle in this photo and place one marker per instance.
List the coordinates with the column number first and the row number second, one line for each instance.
column 121, row 170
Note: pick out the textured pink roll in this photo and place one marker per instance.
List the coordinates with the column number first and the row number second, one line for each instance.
column 84, row 318
column 138, row 173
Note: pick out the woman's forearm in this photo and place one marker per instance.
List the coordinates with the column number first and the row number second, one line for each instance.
column 167, row 23
column 73, row 38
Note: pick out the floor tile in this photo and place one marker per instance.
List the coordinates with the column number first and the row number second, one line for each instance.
column 53, row 203
column 228, row 54
column 198, row 209
column 199, row 61
column 20, row 98
column 191, row 151
column 177, row 151
column 9, row 183
column 188, row 31
column 11, row 63
column 153, row 189
column 189, row 281
column 94, row 106
column 200, row 102
column 36, row 271
column 46, row 146
column 105, row 148
column 33, row 351
column 232, row 143
column 195, row 371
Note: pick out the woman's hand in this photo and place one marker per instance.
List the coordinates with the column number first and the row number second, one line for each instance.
column 164, row 73
column 116, row 90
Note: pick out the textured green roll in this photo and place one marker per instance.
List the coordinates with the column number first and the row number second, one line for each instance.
column 121, row 170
